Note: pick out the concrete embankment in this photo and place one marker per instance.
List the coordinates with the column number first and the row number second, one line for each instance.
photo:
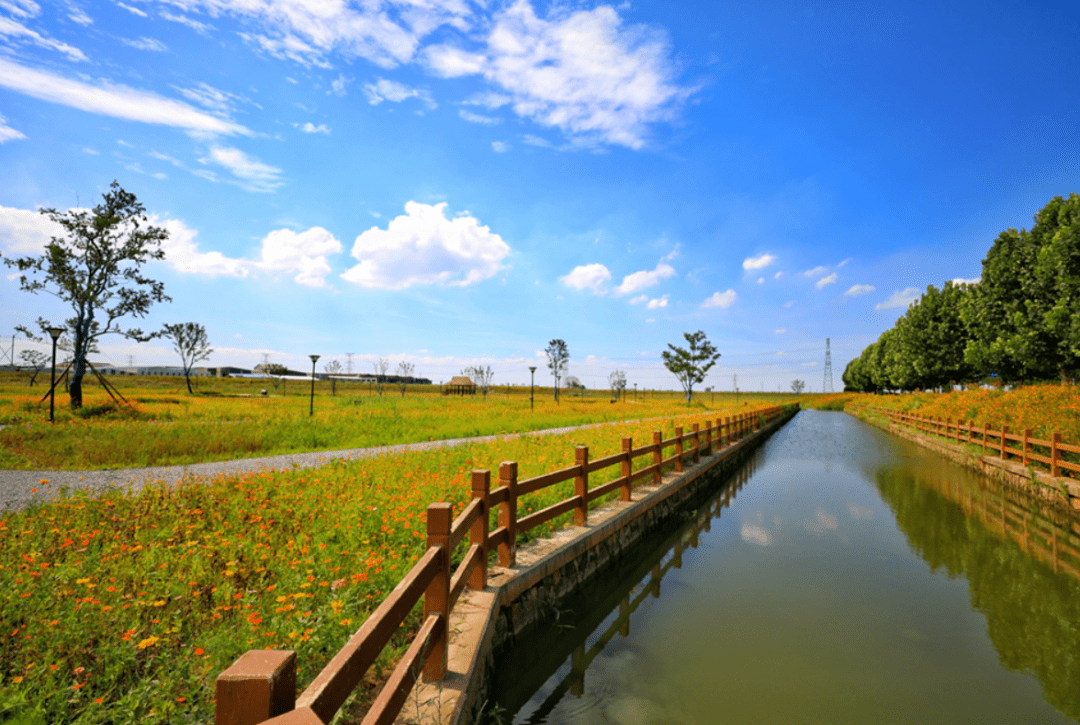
column 520, row 598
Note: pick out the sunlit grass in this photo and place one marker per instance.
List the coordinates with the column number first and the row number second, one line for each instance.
column 125, row 607
column 229, row 419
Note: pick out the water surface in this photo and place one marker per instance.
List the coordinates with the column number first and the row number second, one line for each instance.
column 845, row 575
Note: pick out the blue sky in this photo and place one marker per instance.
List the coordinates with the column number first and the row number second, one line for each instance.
column 451, row 183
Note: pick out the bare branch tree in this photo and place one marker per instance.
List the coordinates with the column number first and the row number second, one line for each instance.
column 333, row 368
column 35, row 360
column 381, row 366
column 481, row 377
column 191, row 343
column 404, row 371
column 617, row 381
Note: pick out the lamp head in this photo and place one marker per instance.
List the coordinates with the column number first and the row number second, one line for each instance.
column 55, row 332
column 314, row 358
column 532, row 368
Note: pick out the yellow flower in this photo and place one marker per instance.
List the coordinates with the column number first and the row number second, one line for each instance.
column 148, row 642
column 17, row 680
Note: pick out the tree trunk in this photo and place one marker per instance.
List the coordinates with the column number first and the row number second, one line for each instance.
column 187, row 377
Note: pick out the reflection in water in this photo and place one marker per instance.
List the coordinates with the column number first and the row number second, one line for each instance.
column 990, row 535
column 858, row 579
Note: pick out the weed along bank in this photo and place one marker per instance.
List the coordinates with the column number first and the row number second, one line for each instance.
column 475, row 608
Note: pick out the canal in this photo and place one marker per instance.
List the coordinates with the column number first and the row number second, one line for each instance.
column 843, row 575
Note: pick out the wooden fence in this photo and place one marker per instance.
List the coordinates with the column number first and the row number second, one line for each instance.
column 995, row 441
column 260, row 687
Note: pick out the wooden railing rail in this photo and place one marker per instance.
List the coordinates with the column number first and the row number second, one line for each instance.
column 995, row 441
column 260, row 686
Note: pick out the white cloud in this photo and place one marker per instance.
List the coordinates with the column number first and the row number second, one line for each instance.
column 132, row 10
column 958, row 280
column 338, row 85
column 304, row 253
column 282, row 250
column 645, row 278
column 831, row 279
column 182, row 254
column 186, row 21
column 845, row 261
column 477, row 118
column 815, row 271
column 499, row 147
column 808, row 365
column 860, row 289
column 822, row 522
column 655, row 304
column 7, row 133
column 248, row 172
column 13, row 29
column 723, row 300
column 789, row 304
column 112, row 100
column 145, row 43
column 639, row 298
column 214, row 99
column 761, row 280
column 449, row 62
column 758, row 262
column 778, row 275
column 79, row 16
column 384, row 90
column 23, row 231
column 422, row 246
column 22, row 8
column 781, row 331
column 588, row 276
column 309, row 127
column 582, row 72
column 899, row 300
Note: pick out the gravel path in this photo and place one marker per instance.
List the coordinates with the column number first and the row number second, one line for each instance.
column 18, row 488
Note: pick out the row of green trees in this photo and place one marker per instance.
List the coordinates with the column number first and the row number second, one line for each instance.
column 1019, row 322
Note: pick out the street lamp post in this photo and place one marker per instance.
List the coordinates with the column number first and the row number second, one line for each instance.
column 311, row 410
column 532, row 386
column 54, row 333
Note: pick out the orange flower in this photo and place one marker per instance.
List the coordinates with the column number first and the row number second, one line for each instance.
column 200, row 651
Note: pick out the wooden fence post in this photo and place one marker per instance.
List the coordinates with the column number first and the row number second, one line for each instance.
column 727, row 425
column 986, row 434
column 581, row 486
column 708, row 437
column 478, row 534
column 1004, row 432
column 657, row 455
column 697, row 442
column 678, row 449
column 1055, row 456
column 1027, row 446
column 627, row 468
column 260, row 685
column 948, row 425
column 437, row 596
column 508, row 473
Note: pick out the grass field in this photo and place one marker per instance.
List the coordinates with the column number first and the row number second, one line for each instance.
column 1045, row 409
column 125, row 607
column 228, row 419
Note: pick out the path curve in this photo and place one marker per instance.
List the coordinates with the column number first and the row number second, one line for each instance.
column 19, row 488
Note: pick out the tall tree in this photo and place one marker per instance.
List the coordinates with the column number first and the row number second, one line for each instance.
column 190, row 343
column 691, row 365
column 617, row 381
column 931, row 339
column 558, row 356
column 797, row 386
column 1021, row 314
column 35, row 360
column 481, row 376
column 96, row 268
column 1057, row 270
